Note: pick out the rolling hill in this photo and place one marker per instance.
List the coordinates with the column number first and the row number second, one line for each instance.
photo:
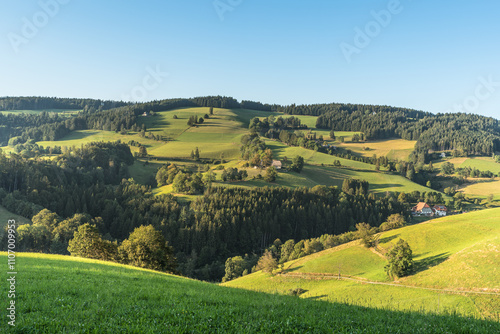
column 220, row 135
column 457, row 261
column 65, row 294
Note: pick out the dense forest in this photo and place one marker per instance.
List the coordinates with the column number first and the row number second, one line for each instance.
column 466, row 133
column 89, row 184
column 43, row 103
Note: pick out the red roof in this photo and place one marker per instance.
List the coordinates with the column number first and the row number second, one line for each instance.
column 440, row 208
column 421, row 206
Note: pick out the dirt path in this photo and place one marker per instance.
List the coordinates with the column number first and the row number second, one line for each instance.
column 321, row 276
column 374, row 251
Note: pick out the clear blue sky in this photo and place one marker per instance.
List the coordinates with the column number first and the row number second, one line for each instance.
column 428, row 55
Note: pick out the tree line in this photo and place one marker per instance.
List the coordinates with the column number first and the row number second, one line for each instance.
column 468, row 133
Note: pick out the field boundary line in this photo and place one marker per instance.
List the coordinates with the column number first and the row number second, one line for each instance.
column 359, row 280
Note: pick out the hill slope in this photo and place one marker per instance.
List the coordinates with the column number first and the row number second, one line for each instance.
column 220, row 135
column 65, row 294
column 458, row 256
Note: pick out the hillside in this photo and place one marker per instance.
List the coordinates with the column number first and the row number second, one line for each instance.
column 220, row 136
column 456, row 259
column 6, row 215
column 81, row 296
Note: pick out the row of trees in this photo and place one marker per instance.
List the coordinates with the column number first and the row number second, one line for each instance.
column 42, row 103
column 464, row 132
column 278, row 252
column 447, row 168
column 145, row 247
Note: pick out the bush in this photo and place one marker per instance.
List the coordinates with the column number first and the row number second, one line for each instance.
column 88, row 242
column 365, row 233
column 271, row 174
column 400, row 259
column 296, row 292
column 393, row 221
column 267, row 263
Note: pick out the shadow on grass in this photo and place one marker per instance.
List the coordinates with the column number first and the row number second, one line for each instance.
column 289, row 270
column 387, row 239
column 154, row 123
column 317, row 297
column 429, row 262
column 387, row 185
column 80, row 135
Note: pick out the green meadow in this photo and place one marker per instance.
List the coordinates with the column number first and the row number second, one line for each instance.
column 62, row 294
column 394, row 149
column 477, row 187
column 457, row 261
column 481, row 163
column 220, row 136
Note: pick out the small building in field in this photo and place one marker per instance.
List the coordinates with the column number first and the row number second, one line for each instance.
column 145, row 114
column 443, row 155
column 276, row 164
column 440, row 210
column 422, row 209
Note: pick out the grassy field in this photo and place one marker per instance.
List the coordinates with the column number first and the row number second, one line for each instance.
column 481, row 163
column 63, row 294
column 459, row 256
column 218, row 135
column 379, row 182
column 478, row 187
column 399, row 149
column 482, row 188
column 221, row 135
column 81, row 137
column 281, row 150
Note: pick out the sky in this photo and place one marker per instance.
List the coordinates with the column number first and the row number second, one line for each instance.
column 437, row 56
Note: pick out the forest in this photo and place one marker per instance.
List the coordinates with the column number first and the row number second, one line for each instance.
column 89, row 184
column 467, row 133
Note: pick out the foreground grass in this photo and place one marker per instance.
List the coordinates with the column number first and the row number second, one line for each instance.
column 62, row 294
column 457, row 261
